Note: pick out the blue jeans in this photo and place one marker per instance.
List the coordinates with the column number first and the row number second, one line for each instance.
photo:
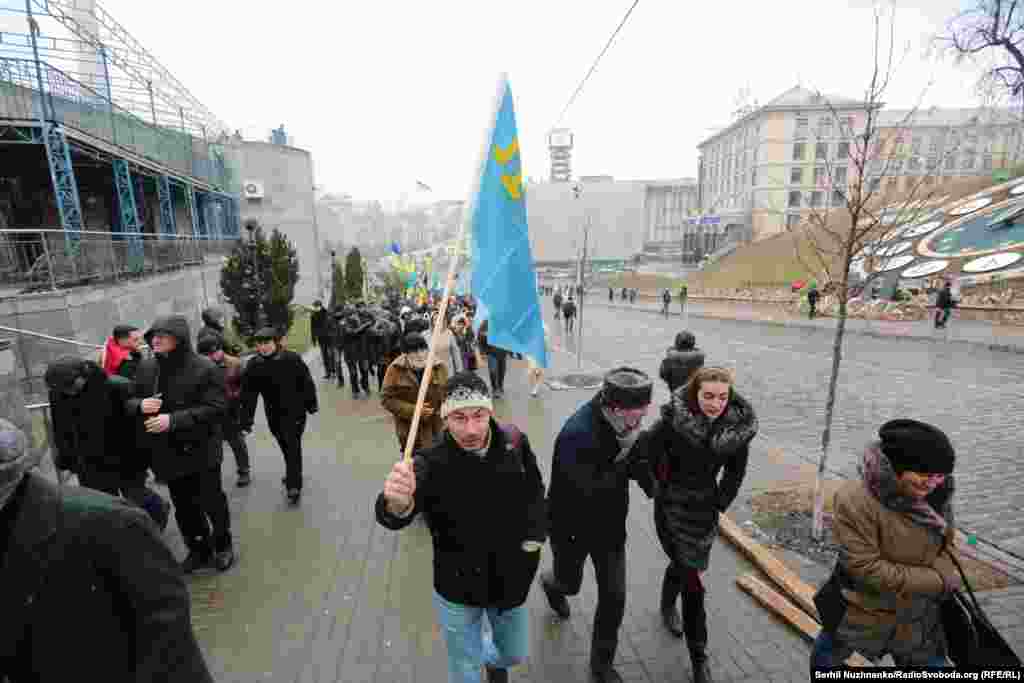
column 825, row 644
column 469, row 648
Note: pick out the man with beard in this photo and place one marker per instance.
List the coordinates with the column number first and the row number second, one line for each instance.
column 71, row 549
column 180, row 402
column 402, row 388
column 289, row 395
column 589, row 502
column 355, row 340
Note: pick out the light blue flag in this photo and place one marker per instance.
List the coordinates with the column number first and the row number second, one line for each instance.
column 504, row 281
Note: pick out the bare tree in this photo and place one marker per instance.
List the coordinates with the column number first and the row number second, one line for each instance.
column 994, row 29
column 852, row 215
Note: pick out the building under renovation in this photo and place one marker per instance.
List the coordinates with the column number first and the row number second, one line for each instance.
column 108, row 165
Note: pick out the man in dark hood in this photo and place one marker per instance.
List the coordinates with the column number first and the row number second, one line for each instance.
column 213, row 325
column 681, row 361
column 180, row 403
column 72, row 546
column 319, row 327
column 282, row 378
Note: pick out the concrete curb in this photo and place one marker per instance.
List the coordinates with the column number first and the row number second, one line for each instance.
column 1009, row 348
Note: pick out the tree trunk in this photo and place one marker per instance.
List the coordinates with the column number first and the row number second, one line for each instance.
column 826, row 434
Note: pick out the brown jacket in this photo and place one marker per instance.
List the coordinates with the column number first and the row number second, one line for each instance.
column 399, row 394
column 894, row 564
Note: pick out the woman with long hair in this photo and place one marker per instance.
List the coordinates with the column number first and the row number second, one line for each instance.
column 699, row 449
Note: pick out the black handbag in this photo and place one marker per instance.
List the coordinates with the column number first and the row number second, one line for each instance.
column 830, row 603
column 971, row 639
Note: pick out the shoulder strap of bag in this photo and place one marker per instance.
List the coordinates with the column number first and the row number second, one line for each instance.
column 963, row 578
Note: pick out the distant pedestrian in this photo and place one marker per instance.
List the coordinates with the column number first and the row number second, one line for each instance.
column 944, row 304
column 666, row 299
column 625, row 293
column 483, row 491
column 611, row 295
column 282, row 378
column 681, row 361
column 557, row 301
column 704, row 431
column 812, row 300
column 569, row 313
column 683, row 293
column 64, row 548
column 320, row 333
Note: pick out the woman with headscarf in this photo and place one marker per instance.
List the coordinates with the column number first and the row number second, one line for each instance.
column 704, row 431
column 894, row 529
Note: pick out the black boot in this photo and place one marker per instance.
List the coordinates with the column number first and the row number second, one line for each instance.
column 556, row 598
column 602, row 659
column 669, row 608
column 200, row 555
column 695, row 626
column 496, row 675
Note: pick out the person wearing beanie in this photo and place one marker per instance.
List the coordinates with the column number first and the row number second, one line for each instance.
column 589, row 502
column 231, row 367
column 895, row 531
column 681, row 361
column 283, row 379
column 402, row 388
column 178, row 403
column 73, row 546
column 698, row 451
column 483, row 490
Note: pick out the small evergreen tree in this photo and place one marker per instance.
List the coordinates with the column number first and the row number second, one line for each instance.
column 283, row 267
column 354, row 275
column 338, row 297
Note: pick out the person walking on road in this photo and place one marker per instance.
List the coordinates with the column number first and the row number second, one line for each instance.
column 589, row 502
column 282, row 378
column 321, row 336
column 894, row 528
column 812, row 301
column 683, row 293
column 231, row 366
column 482, row 488
column 681, row 361
column 497, row 360
column 355, row 339
column 181, row 405
column 944, row 304
column 569, row 313
column 402, row 387
column 666, row 299
column 611, row 295
column 64, row 549
column 704, row 431
column 557, row 301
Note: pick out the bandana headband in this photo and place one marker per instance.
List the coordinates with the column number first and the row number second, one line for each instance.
column 465, row 397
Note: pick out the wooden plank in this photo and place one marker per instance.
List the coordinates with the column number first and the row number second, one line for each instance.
column 785, row 578
column 778, row 604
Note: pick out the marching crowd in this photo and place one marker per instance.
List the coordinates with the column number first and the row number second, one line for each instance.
column 155, row 401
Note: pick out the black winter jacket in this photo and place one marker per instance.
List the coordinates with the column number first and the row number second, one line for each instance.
column 91, row 592
column 589, row 495
column 677, row 366
column 286, row 385
column 355, row 338
column 193, row 395
column 93, row 427
column 481, row 510
column 687, row 453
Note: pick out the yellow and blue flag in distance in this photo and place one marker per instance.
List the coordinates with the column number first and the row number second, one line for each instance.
column 504, row 281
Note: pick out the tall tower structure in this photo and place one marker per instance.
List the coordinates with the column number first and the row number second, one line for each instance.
column 560, row 151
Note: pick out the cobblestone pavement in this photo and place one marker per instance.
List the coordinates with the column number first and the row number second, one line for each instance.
column 975, row 394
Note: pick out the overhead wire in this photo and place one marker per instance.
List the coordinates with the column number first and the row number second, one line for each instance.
column 593, row 66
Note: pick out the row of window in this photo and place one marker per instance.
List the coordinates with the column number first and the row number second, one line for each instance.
column 827, row 126
column 821, row 151
column 814, row 200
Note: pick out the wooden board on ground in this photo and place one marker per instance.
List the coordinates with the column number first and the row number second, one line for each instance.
column 784, row 577
column 778, row 604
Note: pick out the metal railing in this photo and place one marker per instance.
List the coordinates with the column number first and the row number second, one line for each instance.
column 37, row 260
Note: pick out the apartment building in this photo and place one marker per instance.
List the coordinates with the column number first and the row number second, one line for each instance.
column 774, row 165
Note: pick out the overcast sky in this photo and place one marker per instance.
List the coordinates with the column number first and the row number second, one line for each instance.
column 387, row 92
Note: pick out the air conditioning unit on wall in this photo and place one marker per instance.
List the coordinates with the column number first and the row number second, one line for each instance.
column 252, row 189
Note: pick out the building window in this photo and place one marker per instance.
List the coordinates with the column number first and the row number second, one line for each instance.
column 798, row 151
column 876, row 183
column 839, row 175
column 847, row 130
column 816, row 198
column 893, row 185
column 792, row 220
column 825, row 126
column 837, row 198
column 950, row 162
column 932, row 164
column 801, row 128
column 753, row 177
column 821, row 150
column 986, row 162
column 794, row 199
column 915, row 145
column 895, row 165
column 796, row 175
column 913, row 164
column 968, row 162
column 819, row 176
column 843, row 150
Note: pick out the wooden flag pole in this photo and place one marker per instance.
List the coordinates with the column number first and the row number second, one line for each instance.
column 449, row 281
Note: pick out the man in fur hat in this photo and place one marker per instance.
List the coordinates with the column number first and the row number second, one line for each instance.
column 589, row 502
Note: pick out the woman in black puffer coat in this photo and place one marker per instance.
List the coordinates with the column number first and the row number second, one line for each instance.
column 704, row 431
column 681, row 361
